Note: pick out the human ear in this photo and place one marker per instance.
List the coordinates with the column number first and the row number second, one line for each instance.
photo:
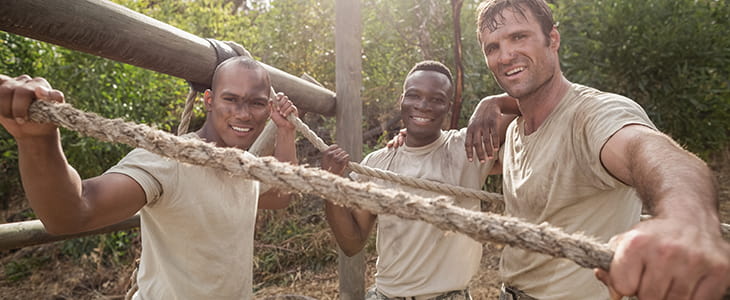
column 208, row 99
column 554, row 38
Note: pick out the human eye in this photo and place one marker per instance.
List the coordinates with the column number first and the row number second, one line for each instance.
column 410, row 96
column 438, row 100
column 259, row 102
column 519, row 36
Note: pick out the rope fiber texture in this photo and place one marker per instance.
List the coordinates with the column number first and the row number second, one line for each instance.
column 494, row 201
column 483, row 227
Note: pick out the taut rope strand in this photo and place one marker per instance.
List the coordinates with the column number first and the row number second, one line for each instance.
column 494, row 200
column 187, row 113
column 480, row 226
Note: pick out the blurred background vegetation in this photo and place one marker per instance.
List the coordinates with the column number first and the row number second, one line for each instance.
column 671, row 56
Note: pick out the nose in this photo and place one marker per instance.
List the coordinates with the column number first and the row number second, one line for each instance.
column 422, row 104
column 242, row 111
column 506, row 54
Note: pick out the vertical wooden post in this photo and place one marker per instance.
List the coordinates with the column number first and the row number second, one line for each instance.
column 459, row 66
column 348, row 61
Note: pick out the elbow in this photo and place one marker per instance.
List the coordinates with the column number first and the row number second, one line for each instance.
column 60, row 228
column 351, row 250
column 351, row 253
column 350, row 247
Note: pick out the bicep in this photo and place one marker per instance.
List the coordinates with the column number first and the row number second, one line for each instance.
column 111, row 198
column 365, row 221
column 620, row 150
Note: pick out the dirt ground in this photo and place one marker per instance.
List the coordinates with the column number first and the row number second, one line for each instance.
column 56, row 277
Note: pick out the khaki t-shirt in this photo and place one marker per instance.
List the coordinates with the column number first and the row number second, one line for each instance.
column 414, row 257
column 555, row 175
column 197, row 229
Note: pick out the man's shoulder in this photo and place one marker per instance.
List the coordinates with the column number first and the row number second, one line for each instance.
column 377, row 155
column 594, row 95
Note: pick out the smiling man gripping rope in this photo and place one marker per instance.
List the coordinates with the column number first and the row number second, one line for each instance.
column 197, row 223
column 585, row 160
column 416, row 260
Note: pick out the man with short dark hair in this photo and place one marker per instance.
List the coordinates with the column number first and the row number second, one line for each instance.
column 197, row 223
column 585, row 161
column 416, row 260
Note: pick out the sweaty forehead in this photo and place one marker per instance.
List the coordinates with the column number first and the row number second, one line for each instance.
column 508, row 16
column 427, row 79
column 240, row 74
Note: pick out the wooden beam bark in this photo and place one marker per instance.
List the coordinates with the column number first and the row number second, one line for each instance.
column 30, row 233
column 115, row 32
column 348, row 64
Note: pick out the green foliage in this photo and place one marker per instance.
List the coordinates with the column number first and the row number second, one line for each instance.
column 19, row 269
column 111, row 248
column 671, row 56
column 289, row 240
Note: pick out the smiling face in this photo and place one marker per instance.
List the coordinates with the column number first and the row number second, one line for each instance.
column 238, row 105
column 521, row 58
column 424, row 106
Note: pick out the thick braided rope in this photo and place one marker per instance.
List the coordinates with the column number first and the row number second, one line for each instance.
column 483, row 227
column 495, row 200
column 187, row 113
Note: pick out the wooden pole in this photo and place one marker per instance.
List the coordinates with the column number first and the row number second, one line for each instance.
column 115, row 32
column 29, row 233
column 459, row 66
column 348, row 63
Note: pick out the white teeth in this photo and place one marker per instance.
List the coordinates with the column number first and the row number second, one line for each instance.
column 421, row 119
column 514, row 71
column 241, row 129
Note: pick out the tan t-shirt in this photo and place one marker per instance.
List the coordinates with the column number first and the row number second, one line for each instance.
column 555, row 175
column 197, row 229
column 414, row 257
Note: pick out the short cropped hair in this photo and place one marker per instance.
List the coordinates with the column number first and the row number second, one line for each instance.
column 432, row 65
column 239, row 61
column 489, row 14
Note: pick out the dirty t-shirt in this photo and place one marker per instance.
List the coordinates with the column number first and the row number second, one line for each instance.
column 555, row 175
column 197, row 229
column 414, row 257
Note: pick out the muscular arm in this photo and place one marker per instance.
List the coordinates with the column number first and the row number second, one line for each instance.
column 351, row 227
column 284, row 151
column 487, row 127
column 66, row 204
column 63, row 202
column 678, row 254
column 670, row 181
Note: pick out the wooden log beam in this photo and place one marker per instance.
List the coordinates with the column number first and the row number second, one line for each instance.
column 30, row 233
column 115, row 32
column 348, row 67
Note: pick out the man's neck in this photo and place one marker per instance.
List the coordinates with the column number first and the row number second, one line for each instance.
column 536, row 107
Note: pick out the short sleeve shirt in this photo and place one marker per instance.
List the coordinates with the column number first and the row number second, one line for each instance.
column 416, row 258
column 197, row 229
column 555, row 175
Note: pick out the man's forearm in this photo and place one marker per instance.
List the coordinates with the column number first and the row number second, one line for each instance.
column 53, row 188
column 673, row 182
column 285, row 149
